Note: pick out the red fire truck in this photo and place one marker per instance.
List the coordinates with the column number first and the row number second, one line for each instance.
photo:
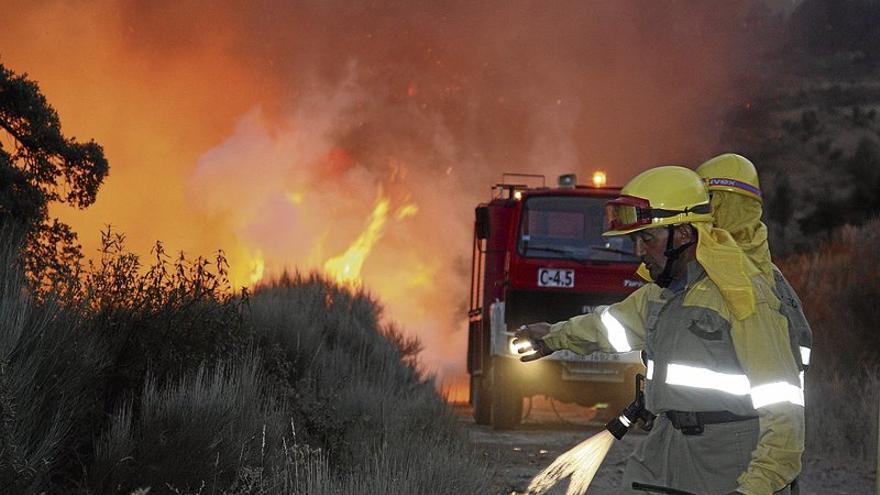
column 539, row 255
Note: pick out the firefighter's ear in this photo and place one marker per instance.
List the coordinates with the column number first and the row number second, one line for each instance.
column 684, row 234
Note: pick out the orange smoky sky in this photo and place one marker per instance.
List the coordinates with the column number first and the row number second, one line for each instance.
column 271, row 129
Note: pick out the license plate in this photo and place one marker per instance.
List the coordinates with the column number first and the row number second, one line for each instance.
column 551, row 277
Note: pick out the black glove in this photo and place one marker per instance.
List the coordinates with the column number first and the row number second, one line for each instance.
column 530, row 338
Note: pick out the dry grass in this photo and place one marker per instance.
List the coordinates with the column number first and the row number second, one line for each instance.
column 48, row 370
column 840, row 288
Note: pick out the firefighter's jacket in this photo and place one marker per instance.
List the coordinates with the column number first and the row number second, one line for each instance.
column 701, row 358
column 800, row 333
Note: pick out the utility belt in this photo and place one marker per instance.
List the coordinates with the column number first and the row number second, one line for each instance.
column 693, row 423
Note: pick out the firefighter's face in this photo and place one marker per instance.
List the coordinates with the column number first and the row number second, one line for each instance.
column 650, row 244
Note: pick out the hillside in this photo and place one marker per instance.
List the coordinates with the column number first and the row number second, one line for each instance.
column 812, row 125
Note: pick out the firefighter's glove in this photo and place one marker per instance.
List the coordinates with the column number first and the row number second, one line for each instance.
column 529, row 341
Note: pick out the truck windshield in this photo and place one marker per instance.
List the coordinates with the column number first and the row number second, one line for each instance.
column 570, row 227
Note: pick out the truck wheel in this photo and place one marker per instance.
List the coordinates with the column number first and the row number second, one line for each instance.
column 480, row 400
column 507, row 403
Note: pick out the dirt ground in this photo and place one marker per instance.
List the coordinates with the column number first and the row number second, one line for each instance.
column 520, row 454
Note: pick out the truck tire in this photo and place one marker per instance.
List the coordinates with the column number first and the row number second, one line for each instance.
column 507, row 400
column 481, row 400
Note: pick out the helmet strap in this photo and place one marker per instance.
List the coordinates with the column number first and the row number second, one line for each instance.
column 672, row 253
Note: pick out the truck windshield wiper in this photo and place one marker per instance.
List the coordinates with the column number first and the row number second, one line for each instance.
column 551, row 249
column 567, row 252
column 613, row 250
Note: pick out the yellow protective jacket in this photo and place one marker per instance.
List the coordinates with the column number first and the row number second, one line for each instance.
column 703, row 358
column 741, row 216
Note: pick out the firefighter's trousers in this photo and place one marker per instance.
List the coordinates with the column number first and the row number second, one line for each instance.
column 704, row 464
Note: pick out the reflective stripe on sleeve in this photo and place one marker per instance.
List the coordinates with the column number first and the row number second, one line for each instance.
column 801, row 376
column 616, row 332
column 691, row 376
column 805, row 355
column 650, row 372
column 776, row 393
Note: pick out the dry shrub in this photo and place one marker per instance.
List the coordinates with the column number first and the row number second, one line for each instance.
column 359, row 396
column 166, row 319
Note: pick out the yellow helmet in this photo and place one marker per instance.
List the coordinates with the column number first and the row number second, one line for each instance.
column 732, row 173
column 660, row 196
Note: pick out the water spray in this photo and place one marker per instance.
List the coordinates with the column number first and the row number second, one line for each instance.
column 581, row 462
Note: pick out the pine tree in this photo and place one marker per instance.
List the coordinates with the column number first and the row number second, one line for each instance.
column 40, row 166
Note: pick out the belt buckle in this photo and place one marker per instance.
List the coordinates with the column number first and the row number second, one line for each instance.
column 687, row 422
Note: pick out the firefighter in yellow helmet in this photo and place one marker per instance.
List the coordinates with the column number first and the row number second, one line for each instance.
column 721, row 377
column 737, row 202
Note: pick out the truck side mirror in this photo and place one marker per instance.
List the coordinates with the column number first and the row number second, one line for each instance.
column 482, row 222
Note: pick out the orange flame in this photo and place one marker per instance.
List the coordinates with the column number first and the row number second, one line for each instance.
column 346, row 268
column 297, row 197
column 258, row 266
column 406, row 211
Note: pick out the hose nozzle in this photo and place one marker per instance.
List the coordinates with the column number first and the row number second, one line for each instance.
column 632, row 413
